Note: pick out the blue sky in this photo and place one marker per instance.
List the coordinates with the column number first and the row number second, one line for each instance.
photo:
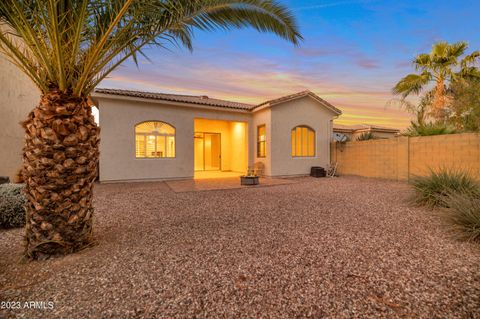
column 352, row 54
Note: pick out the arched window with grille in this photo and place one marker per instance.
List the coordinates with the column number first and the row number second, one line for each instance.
column 303, row 141
column 154, row 139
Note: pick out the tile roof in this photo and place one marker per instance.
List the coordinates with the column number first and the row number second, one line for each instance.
column 205, row 100
column 297, row 96
column 194, row 99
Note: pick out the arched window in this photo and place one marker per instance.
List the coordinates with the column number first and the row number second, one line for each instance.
column 154, row 139
column 303, row 141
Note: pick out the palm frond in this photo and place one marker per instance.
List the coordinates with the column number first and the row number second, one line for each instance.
column 468, row 73
column 412, row 83
column 440, row 48
column 72, row 45
column 263, row 16
column 471, row 59
column 457, row 49
column 422, row 61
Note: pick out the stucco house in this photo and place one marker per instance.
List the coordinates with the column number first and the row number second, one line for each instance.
column 154, row 136
column 18, row 96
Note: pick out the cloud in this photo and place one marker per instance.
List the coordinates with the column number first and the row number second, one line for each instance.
column 403, row 65
column 316, row 52
column 253, row 80
column 346, row 51
column 367, row 63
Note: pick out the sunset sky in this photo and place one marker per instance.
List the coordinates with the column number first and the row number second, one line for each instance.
column 352, row 55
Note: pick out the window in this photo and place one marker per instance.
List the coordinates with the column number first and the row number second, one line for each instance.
column 154, row 140
column 303, row 141
column 261, row 141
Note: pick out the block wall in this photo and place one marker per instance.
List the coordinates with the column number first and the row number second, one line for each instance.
column 401, row 158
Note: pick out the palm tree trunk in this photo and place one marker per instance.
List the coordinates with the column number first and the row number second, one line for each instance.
column 439, row 102
column 421, row 117
column 60, row 161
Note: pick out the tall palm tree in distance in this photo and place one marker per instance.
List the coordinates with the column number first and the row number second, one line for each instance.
column 441, row 66
column 67, row 47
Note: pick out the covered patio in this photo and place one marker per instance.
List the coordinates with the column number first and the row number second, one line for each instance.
column 220, row 147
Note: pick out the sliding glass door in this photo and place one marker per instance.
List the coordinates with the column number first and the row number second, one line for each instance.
column 207, row 151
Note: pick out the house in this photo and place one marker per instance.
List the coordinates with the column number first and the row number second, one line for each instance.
column 18, row 96
column 155, row 136
column 352, row 132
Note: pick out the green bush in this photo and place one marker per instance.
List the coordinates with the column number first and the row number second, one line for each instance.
column 463, row 215
column 432, row 190
column 12, row 201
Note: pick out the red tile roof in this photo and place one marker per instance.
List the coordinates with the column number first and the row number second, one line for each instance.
column 194, row 99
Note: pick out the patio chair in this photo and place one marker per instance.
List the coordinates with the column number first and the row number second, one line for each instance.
column 332, row 169
column 253, row 174
column 258, row 168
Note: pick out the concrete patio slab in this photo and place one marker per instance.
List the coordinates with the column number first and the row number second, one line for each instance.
column 195, row 185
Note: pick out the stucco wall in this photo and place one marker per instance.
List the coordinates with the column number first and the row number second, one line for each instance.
column 117, row 145
column 402, row 157
column 263, row 117
column 118, row 117
column 18, row 96
column 284, row 118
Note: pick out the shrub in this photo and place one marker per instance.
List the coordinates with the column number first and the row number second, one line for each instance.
column 432, row 190
column 366, row 136
column 12, row 201
column 463, row 215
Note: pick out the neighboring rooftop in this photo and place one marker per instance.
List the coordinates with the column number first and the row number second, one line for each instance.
column 363, row 127
column 205, row 100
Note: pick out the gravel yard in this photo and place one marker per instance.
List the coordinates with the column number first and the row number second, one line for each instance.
column 338, row 248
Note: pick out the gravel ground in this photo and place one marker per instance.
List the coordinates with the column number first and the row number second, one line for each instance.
column 339, row 248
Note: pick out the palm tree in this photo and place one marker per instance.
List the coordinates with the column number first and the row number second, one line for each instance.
column 440, row 66
column 67, row 47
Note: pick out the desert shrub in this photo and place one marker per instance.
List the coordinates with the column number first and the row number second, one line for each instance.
column 463, row 215
column 12, row 200
column 428, row 129
column 366, row 136
column 433, row 189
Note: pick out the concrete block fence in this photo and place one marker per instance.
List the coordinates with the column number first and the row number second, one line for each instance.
column 401, row 158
